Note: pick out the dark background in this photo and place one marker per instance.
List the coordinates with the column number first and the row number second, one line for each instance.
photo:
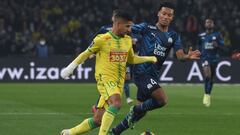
column 68, row 26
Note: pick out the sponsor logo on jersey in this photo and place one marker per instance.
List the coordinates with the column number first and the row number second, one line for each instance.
column 107, row 38
column 118, row 56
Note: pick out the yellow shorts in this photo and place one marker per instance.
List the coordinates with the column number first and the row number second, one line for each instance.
column 107, row 89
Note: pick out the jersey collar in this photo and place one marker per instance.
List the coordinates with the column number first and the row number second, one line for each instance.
column 114, row 36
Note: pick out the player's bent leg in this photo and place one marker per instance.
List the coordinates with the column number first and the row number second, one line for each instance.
column 90, row 123
column 158, row 100
column 110, row 113
column 85, row 126
column 146, row 87
column 125, row 123
column 133, row 117
column 160, row 96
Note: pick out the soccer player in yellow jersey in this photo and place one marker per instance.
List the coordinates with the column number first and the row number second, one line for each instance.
column 113, row 50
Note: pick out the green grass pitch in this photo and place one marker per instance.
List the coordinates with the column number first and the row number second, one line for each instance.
column 45, row 109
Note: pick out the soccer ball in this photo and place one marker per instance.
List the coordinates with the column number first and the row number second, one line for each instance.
column 147, row 133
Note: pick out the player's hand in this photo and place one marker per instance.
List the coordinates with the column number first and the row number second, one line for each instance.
column 194, row 54
column 154, row 60
column 66, row 72
column 236, row 56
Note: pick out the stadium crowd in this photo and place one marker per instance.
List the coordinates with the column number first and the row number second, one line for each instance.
column 67, row 27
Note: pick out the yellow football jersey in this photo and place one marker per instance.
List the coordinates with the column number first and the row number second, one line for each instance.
column 111, row 56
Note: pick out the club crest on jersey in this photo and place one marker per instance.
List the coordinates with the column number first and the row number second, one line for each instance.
column 214, row 38
column 107, row 38
column 116, row 56
column 170, row 40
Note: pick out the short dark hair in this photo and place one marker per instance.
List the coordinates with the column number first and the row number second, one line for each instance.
column 168, row 5
column 124, row 14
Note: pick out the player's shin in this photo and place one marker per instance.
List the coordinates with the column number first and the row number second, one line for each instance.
column 85, row 126
column 208, row 85
column 123, row 125
column 148, row 105
column 107, row 120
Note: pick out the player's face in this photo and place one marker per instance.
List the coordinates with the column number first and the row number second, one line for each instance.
column 165, row 16
column 209, row 24
column 124, row 27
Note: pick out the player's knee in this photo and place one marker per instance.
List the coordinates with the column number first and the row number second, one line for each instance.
column 115, row 101
column 206, row 71
column 117, row 104
column 162, row 102
column 165, row 101
column 208, row 78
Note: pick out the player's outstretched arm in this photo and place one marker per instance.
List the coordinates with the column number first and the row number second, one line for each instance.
column 141, row 59
column 192, row 55
column 135, row 59
column 93, row 48
column 69, row 69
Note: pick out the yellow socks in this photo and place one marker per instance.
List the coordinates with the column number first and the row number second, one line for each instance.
column 107, row 120
column 88, row 124
column 84, row 127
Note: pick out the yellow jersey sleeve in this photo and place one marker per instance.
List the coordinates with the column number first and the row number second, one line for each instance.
column 135, row 59
column 96, row 44
column 93, row 48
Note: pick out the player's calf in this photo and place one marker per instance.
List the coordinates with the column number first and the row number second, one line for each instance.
column 133, row 117
column 130, row 117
